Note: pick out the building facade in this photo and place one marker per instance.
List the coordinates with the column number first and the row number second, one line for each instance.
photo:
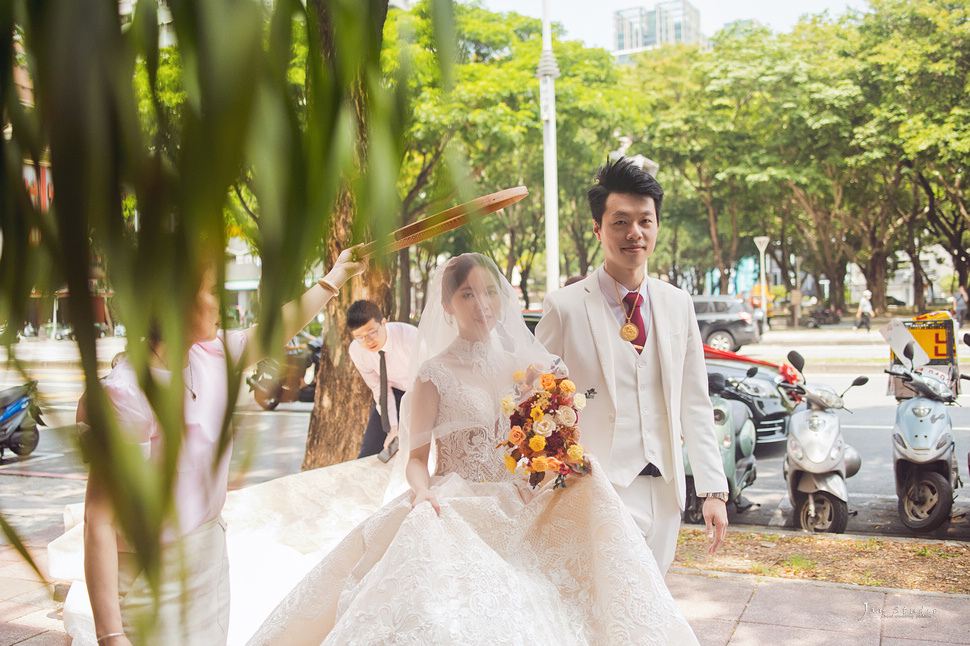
column 639, row 29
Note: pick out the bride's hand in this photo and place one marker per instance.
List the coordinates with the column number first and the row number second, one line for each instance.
column 425, row 495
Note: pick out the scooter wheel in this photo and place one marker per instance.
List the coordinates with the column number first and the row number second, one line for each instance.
column 927, row 502
column 24, row 440
column 693, row 506
column 831, row 514
column 265, row 400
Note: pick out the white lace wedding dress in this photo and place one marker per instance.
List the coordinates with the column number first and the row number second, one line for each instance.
column 501, row 565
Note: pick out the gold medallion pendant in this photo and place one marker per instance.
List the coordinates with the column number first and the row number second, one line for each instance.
column 629, row 332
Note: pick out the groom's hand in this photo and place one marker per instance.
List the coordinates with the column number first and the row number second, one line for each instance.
column 715, row 515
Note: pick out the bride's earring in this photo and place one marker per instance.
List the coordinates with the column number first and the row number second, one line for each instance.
column 449, row 319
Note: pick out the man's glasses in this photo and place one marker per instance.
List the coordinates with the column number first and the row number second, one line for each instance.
column 370, row 336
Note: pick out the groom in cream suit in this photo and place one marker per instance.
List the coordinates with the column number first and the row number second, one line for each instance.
column 635, row 341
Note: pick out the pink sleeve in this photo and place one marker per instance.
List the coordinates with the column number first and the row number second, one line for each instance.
column 235, row 341
column 134, row 414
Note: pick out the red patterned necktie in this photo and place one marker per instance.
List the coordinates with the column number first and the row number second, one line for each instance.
column 632, row 308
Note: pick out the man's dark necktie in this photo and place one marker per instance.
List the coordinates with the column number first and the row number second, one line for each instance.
column 385, row 419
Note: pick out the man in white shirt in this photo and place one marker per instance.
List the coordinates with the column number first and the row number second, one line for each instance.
column 382, row 353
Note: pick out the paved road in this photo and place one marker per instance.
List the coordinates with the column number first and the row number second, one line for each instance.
column 33, row 491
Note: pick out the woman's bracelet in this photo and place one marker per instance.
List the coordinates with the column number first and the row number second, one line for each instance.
column 109, row 636
column 327, row 285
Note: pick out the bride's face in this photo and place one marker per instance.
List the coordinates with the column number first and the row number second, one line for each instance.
column 476, row 304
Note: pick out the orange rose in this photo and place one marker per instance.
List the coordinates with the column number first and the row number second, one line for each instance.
column 516, row 435
column 539, row 464
column 552, row 464
column 567, row 386
column 548, row 381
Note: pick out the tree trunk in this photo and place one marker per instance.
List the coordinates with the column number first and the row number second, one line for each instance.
column 342, row 402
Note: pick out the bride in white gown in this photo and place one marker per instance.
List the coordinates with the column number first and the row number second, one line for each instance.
column 472, row 555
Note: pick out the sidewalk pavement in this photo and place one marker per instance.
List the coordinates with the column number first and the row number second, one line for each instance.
column 723, row 608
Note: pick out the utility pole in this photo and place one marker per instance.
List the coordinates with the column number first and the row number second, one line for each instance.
column 548, row 72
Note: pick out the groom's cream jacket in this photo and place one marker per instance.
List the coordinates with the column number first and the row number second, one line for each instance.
column 575, row 325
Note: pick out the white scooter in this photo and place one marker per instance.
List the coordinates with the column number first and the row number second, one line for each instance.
column 818, row 460
column 924, row 460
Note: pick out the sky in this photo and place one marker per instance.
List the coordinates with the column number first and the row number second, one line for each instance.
column 592, row 20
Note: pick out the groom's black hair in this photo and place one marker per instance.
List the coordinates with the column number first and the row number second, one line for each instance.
column 622, row 175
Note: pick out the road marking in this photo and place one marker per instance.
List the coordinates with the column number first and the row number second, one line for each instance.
column 44, row 474
column 889, row 427
column 36, row 457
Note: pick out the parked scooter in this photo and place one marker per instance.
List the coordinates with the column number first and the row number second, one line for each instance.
column 924, row 460
column 272, row 383
column 736, row 438
column 817, row 459
column 19, row 417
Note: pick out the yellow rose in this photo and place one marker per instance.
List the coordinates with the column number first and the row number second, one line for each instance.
column 516, row 435
column 579, row 401
column 539, row 464
column 510, row 463
column 508, row 405
column 575, row 452
column 537, row 414
column 548, row 381
column 518, row 377
column 567, row 386
column 537, row 443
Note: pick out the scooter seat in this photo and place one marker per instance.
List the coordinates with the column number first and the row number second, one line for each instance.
column 11, row 395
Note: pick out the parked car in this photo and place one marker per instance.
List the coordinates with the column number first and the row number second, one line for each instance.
column 726, row 322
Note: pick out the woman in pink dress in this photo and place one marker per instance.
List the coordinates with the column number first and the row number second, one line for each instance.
column 192, row 606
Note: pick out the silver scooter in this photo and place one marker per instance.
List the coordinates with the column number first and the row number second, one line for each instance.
column 924, row 458
column 817, row 459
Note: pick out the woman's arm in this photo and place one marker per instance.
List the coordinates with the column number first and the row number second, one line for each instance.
column 298, row 313
column 101, row 563
column 424, row 410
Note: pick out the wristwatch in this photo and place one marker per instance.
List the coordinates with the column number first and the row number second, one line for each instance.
column 721, row 495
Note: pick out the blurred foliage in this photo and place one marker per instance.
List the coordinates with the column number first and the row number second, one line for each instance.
column 164, row 138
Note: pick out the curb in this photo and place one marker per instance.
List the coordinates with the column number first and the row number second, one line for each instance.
column 714, row 574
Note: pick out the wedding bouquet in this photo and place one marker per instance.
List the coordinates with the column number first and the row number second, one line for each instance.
column 544, row 435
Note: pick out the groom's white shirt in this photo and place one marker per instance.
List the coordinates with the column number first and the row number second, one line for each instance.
column 577, row 325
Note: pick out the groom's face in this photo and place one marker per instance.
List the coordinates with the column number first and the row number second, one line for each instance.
column 628, row 230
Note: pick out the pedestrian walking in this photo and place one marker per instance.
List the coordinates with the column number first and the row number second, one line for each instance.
column 864, row 314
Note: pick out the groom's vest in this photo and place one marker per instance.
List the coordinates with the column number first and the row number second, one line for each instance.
column 641, row 434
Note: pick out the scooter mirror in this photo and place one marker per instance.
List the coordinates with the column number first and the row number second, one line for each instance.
column 860, row 381
column 908, row 351
column 752, row 371
column 796, row 360
column 966, row 338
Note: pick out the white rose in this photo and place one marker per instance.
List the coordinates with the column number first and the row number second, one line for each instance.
column 579, row 401
column 566, row 416
column 544, row 427
column 508, row 406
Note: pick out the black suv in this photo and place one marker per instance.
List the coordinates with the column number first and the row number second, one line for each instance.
column 726, row 322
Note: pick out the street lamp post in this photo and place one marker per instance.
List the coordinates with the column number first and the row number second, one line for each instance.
column 547, row 73
column 762, row 244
